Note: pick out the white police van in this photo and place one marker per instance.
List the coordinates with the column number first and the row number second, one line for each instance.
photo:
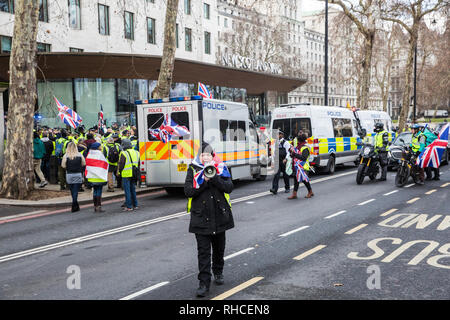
column 369, row 118
column 225, row 125
column 332, row 132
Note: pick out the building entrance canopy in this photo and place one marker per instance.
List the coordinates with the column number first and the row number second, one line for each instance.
column 65, row 65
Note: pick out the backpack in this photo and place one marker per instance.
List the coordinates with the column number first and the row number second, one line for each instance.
column 59, row 148
column 134, row 170
column 113, row 154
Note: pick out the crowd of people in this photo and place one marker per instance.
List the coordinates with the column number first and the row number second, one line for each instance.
column 65, row 156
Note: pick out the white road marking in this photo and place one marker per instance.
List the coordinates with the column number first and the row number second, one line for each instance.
column 413, row 200
column 356, row 228
column 445, row 184
column 105, row 233
column 293, row 231
column 409, row 185
column 240, row 287
column 335, row 214
column 388, row 212
column 238, row 253
column 250, row 202
column 431, row 191
column 139, row 293
column 389, row 193
column 22, row 215
column 365, row 202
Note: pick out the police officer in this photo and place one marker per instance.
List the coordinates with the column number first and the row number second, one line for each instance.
column 283, row 157
column 211, row 216
column 382, row 148
column 418, row 142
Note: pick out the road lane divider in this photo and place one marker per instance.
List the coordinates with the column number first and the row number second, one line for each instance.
column 445, row 184
column 141, row 224
column 238, row 253
column 293, row 231
column 412, row 200
column 365, row 202
column 388, row 212
column 409, row 185
column 144, row 291
column 22, row 215
column 240, row 287
column 389, row 193
column 335, row 214
column 431, row 191
column 309, row 252
column 351, row 231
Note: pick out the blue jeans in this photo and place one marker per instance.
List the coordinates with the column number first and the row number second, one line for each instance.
column 129, row 188
column 74, row 188
column 98, row 191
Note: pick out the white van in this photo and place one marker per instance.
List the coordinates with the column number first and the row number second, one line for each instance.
column 332, row 132
column 369, row 118
column 225, row 125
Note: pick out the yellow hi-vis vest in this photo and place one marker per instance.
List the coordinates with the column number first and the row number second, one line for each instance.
column 379, row 140
column 306, row 165
column 188, row 209
column 127, row 171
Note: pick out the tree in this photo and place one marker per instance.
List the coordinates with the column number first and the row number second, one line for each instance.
column 363, row 16
column 409, row 14
column 168, row 58
column 18, row 172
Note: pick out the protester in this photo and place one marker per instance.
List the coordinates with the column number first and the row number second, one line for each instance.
column 210, row 217
column 73, row 162
column 128, row 159
column 38, row 154
column 111, row 151
column 97, row 173
column 49, row 147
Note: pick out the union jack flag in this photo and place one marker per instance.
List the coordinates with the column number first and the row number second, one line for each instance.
column 203, row 91
column 431, row 156
column 168, row 129
column 300, row 173
column 67, row 115
column 221, row 168
column 101, row 124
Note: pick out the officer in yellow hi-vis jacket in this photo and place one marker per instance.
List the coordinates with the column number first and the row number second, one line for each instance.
column 382, row 148
column 128, row 159
column 211, row 216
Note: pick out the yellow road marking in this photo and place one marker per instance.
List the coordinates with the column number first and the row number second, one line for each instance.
column 445, row 184
column 388, row 212
column 357, row 228
column 238, row 288
column 413, row 200
column 309, row 252
column 431, row 191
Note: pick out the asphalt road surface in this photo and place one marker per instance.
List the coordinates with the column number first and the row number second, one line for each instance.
column 369, row 241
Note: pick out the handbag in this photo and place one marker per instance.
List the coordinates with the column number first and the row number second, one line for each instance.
column 288, row 166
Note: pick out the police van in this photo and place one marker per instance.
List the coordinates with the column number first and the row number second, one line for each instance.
column 332, row 132
column 225, row 125
column 369, row 118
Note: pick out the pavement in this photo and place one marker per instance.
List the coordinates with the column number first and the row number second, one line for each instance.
column 64, row 201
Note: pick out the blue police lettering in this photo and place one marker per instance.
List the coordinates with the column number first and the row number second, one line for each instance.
column 334, row 114
column 214, row 106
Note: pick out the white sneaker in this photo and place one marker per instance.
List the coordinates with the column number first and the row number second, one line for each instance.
column 43, row 184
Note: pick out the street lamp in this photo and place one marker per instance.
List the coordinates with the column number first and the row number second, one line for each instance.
column 326, row 54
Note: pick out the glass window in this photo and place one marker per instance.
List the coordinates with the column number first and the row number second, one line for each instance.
column 253, row 133
column 223, row 126
column 90, row 94
column 187, row 6
column 130, row 90
column 241, row 130
column 207, row 42
column 62, row 90
column 206, row 11
column 188, row 39
column 129, row 25
column 342, row 127
column 43, row 47
column 182, row 119
column 7, row 6
column 154, row 121
column 303, row 124
column 43, row 11
column 5, row 44
column 75, row 50
column 74, row 14
column 151, row 30
column 103, row 19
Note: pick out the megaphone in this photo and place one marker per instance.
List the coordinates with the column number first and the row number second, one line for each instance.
column 210, row 171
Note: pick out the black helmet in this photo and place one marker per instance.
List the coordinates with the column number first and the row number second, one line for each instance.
column 379, row 126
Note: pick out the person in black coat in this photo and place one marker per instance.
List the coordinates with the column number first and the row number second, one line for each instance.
column 211, row 216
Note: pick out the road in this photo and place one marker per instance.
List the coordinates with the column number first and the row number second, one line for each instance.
column 369, row 241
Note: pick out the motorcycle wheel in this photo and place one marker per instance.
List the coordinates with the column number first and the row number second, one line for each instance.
column 402, row 176
column 360, row 174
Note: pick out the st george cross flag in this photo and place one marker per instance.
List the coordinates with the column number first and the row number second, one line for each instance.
column 96, row 165
column 431, row 156
column 203, row 91
column 67, row 115
column 221, row 168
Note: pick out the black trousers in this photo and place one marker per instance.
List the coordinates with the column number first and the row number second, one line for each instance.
column 383, row 164
column 276, row 178
column 429, row 171
column 204, row 245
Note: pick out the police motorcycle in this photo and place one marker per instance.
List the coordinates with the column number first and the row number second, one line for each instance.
column 407, row 166
column 369, row 164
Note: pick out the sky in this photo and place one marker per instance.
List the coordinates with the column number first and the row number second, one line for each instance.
column 311, row 5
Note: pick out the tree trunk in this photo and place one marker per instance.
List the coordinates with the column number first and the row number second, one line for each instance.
column 162, row 88
column 367, row 65
column 408, row 78
column 18, row 173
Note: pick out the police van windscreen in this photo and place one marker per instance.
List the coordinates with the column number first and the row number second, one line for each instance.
column 154, row 121
column 182, row 119
column 292, row 126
